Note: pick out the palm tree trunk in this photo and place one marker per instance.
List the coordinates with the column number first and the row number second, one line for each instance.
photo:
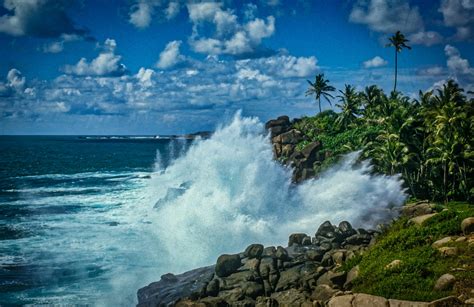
column 396, row 70
column 319, row 104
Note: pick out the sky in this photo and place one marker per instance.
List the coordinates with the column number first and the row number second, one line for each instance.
column 152, row 67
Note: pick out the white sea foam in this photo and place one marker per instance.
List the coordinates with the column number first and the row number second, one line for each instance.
column 232, row 193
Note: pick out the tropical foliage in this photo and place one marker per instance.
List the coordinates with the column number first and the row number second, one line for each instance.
column 427, row 140
column 320, row 87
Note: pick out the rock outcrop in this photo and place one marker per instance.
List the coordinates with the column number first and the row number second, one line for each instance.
column 308, row 270
column 285, row 140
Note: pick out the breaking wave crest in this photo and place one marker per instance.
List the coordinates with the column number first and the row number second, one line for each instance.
column 226, row 192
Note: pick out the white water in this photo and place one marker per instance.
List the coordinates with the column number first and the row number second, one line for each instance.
column 235, row 194
column 222, row 194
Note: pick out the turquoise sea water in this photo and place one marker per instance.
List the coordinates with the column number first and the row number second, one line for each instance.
column 65, row 201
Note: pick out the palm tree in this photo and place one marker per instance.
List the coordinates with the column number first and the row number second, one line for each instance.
column 350, row 106
column 398, row 41
column 319, row 88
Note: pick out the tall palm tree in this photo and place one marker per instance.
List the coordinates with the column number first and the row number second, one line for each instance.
column 319, row 88
column 398, row 41
column 350, row 106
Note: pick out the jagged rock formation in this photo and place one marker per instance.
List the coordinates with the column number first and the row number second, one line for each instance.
column 307, row 270
column 285, row 140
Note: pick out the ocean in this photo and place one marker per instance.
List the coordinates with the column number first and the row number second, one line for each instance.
column 63, row 200
column 91, row 220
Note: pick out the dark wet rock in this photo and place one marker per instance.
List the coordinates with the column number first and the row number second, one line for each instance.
column 169, row 277
column 281, row 254
column 346, row 229
column 166, row 292
column 250, row 264
column 333, row 279
column 254, row 251
column 292, row 137
column 227, row 264
column 359, row 239
column 297, row 238
column 280, row 121
column 289, row 279
column 314, row 254
column 269, row 251
column 324, row 229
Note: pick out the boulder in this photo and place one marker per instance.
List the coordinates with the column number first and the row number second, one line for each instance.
column 339, row 256
column 333, row 279
column 254, row 251
column 417, row 209
column 351, row 276
column 291, row 297
column 314, row 254
column 442, row 242
column 341, row 301
column 358, row 239
column 346, row 229
column 365, row 300
column 269, row 251
column 281, row 254
column 325, row 229
column 445, row 282
column 250, row 264
column 310, row 152
column 419, row 220
column 296, row 238
column 168, row 291
column 467, row 225
column 448, row 251
column 280, row 121
column 322, row 293
column 227, row 264
column 291, row 137
column 289, row 279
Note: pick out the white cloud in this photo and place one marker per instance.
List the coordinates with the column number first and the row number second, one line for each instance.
column 387, row 16
column 140, row 15
column 432, row 71
column 145, row 76
column 456, row 64
column 170, row 56
column 107, row 63
column 428, row 38
column 54, row 47
column 259, row 29
column 459, row 14
column 28, row 18
column 15, row 79
column 283, row 66
column 172, row 10
column 375, row 62
column 230, row 37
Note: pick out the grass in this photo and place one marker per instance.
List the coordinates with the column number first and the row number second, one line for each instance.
column 421, row 264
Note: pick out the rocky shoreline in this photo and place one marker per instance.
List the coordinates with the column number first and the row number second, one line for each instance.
column 311, row 271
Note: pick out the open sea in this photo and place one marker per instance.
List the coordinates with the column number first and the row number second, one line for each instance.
column 64, row 202
column 88, row 221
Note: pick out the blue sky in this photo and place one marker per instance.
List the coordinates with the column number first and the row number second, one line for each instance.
column 161, row 67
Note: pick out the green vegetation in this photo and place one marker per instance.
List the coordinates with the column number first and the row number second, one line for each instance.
column 421, row 265
column 427, row 140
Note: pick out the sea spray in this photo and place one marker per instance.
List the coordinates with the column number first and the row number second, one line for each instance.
column 232, row 193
